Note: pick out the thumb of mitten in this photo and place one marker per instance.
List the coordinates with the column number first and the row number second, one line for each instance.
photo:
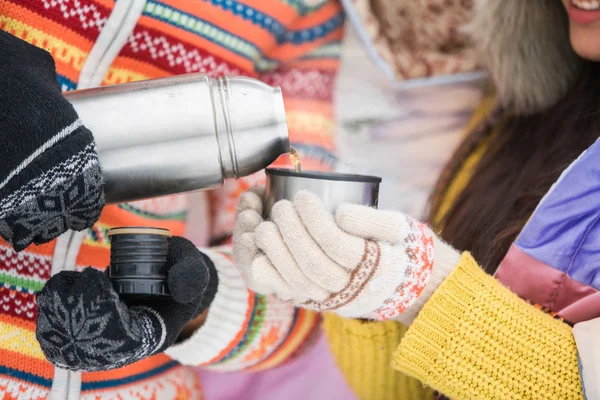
column 371, row 223
column 192, row 278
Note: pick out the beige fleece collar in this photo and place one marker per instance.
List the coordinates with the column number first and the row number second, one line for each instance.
column 524, row 44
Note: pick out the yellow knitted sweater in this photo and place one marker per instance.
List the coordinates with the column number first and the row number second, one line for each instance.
column 473, row 339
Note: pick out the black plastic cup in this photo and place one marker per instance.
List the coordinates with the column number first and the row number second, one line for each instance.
column 138, row 261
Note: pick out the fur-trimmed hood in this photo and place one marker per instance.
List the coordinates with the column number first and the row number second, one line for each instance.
column 525, row 46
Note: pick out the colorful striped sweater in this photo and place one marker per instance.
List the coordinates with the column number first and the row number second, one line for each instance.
column 289, row 43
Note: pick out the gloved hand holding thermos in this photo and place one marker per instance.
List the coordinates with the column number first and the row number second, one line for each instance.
column 50, row 178
column 63, row 156
column 96, row 321
column 147, row 139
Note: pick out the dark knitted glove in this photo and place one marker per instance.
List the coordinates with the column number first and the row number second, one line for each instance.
column 50, row 177
column 83, row 325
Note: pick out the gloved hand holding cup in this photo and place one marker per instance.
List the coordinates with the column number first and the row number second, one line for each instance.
column 318, row 241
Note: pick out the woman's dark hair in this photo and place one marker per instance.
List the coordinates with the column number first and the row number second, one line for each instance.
column 519, row 167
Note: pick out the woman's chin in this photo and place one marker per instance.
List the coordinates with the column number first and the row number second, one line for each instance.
column 584, row 40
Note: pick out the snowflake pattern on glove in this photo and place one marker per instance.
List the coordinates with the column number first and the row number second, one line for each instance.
column 83, row 325
column 419, row 265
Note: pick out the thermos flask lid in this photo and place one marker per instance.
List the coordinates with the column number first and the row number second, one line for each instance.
column 138, row 261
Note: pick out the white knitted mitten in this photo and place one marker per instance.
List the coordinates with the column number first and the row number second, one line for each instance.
column 364, row 263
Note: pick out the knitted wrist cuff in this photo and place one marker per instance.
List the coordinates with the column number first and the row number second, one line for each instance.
column 445, row 260
column 476, row 339
column 244, row 330
column 227, row 314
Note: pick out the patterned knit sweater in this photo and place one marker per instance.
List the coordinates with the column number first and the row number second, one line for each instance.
column 289, row 43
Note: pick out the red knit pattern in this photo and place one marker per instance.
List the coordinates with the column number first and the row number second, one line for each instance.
column 18, row 304
column 24, row 264
column 172, row 55
column 297, row 83
column 84, row 17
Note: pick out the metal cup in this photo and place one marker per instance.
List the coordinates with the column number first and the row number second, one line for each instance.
column 333, row 188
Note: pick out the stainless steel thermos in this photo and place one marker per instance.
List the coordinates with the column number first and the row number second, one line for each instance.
column 182, row 133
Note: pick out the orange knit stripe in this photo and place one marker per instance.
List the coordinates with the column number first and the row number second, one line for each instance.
column 23, row 363
column 116, row 75
column 114, row 216
column 276, row 8
column 93, row 256
column 18, row 322
column 194, row 40
column 110, row 4
column 67, row 70
column 130, row 370
column 61, row 31
column 57, row 47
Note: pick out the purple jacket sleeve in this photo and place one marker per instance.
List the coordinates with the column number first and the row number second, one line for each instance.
column 555, row 261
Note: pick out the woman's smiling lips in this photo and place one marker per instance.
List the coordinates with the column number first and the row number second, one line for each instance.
column 584, row 11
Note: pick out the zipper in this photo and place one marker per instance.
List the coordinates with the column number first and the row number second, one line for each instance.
column 66, row 385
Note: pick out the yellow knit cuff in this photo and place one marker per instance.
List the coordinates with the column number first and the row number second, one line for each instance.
column 474, row 339
column 363, row 352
